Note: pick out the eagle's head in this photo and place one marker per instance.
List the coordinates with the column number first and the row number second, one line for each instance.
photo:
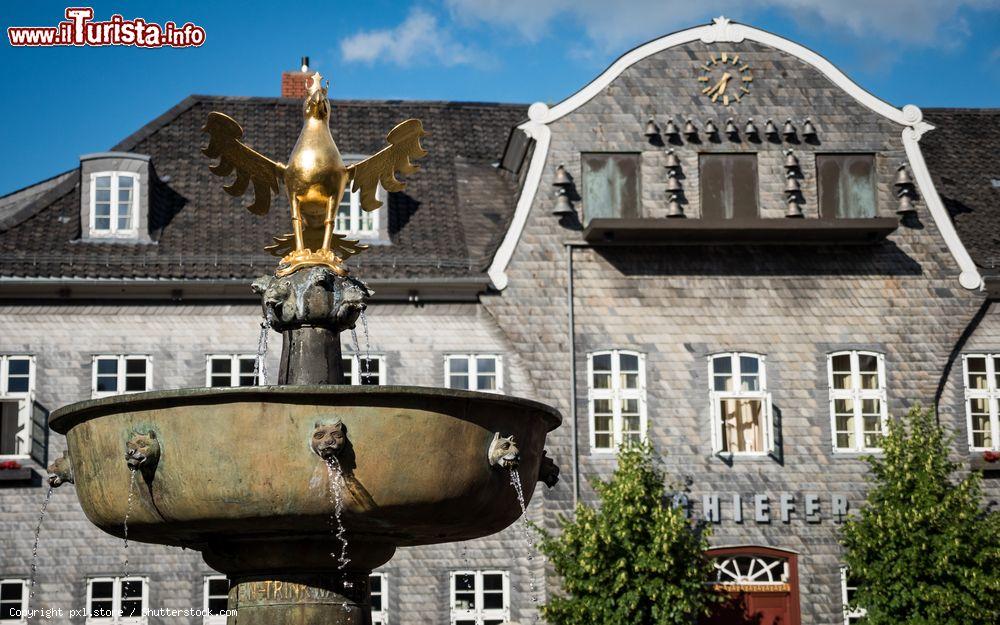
column 316, row 105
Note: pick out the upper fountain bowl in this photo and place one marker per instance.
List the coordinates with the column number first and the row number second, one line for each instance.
column 233, row 472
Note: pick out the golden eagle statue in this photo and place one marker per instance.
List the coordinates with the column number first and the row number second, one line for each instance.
column 314, row 178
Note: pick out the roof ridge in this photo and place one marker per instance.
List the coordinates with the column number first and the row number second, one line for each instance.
column 358, row 101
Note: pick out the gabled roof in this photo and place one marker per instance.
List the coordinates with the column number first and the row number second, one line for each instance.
column 963, row 155
column 436, row 229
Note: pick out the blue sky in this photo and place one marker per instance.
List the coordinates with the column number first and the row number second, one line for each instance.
column 62, row 102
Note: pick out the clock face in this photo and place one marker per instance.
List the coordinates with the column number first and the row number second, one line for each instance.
column 725, row 79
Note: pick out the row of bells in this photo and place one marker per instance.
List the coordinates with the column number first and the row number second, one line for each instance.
column 731, row 129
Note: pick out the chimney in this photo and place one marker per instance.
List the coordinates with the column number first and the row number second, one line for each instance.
column 293, row 84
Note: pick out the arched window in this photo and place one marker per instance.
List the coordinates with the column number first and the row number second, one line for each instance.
column 742, row 422
column 759, row 570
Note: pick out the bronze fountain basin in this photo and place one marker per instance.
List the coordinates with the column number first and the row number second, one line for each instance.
column 237, row 478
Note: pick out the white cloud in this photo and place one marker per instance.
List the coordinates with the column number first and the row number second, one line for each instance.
column 612, row 25
column 419, row 39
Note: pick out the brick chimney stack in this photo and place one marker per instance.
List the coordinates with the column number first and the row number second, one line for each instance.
column 293, row 84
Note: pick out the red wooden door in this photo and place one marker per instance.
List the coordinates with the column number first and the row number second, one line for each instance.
column 760, row 584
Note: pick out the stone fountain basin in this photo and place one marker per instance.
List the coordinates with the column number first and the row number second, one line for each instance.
column 236, row 469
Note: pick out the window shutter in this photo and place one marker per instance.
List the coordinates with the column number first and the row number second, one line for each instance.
column 39, row 434
column 8, row 426
column 716, row 422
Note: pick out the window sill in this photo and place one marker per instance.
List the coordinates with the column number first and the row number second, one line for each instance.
column 730, row 457
column 17, row 476
column 856, row 454
column 777, row 230
column 978, row 463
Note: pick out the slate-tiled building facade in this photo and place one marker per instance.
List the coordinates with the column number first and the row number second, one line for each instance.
column 630, row 322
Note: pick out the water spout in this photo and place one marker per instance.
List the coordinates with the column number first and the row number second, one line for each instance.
column 368, row 350
column 503, row 452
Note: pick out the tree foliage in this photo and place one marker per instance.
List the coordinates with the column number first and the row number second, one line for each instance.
column 923, row 550
column 634, row 559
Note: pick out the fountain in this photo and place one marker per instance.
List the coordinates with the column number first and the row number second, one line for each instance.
column 297, row 491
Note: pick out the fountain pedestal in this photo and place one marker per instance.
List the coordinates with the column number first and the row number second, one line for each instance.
column 310, row 308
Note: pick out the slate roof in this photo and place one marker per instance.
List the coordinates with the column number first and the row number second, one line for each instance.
column 963, row 155
column 445, row 224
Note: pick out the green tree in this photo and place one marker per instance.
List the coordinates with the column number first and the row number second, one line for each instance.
column 923, row 550
column 633, row 560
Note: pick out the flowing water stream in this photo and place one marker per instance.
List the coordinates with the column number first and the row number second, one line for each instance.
column 368, row 349
column 34, row 549
column 128, row 511
column 337, row 500
column 526, row 533
column 260, row 367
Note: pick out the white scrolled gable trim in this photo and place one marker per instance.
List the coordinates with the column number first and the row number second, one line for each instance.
column 723, row 30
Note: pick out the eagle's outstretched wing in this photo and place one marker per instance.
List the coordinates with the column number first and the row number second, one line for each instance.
column 404, row 145
column 224, row 143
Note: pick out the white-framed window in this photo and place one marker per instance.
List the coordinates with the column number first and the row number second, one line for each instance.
column 848, row 588
column 222, row 370
column 113, row 199
column 742, row 419
column 480, row 597
column 363, row 371
column 379, row 585
column 982, row 394
column 857, row 400
column 117, row 374
column 352, row 220
column 617, row 397
column 216, row 601
column 13, row 600
column 17, row 383
column 474, row 372
column 117, row 600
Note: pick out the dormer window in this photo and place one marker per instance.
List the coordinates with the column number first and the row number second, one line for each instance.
column 113, row 199
column 352, row 220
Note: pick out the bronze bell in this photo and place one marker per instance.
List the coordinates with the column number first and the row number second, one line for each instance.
column 671, row 128
column 731, row 128
column 794, row 210
column 750, row 129
column 792, row 184
column 674, row 208
column 562, row 178
column 903, row 176
column 690, row 129
column 789, row 129
column 652, row 130
column 808, row 130
column 905, row 204
column 563, row 205
column 673, row 184
column 710, row 128
column 791, row 161
column 672, row 161
column 770, row 129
